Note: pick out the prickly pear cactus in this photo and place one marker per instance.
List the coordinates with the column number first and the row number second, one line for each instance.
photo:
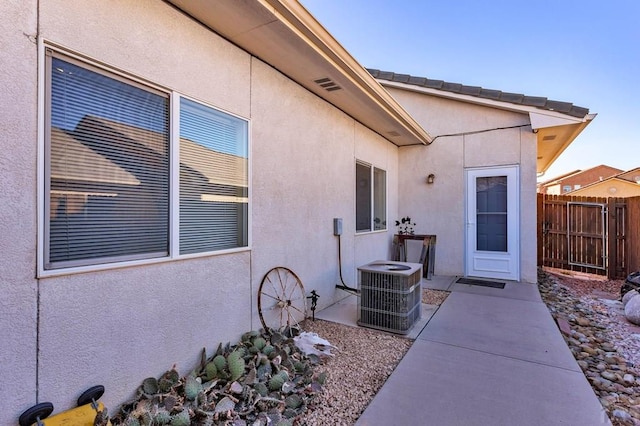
column 277, row 380
column 220, row 362
column 181, row 419
column 259, row 343
column 236, row 364
column 210, row 371
column 192, row 388
column 150, row 385
column 263, row 379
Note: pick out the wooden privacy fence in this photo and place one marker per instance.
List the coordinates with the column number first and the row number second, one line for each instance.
column 589, row 234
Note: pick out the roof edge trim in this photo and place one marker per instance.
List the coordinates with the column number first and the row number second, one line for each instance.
column 487, row 102
column 299, row 20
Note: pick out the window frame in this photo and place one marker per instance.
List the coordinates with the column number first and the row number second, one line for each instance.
column 46, row 50
column 372, row 197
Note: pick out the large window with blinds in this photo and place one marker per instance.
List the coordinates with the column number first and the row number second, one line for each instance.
column 109, row 192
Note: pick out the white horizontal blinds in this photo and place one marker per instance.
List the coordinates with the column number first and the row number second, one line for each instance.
column 213, row 179
column 107, row 168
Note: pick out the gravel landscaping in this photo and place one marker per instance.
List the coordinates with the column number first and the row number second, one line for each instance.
column 605, row 345
column 365, row 358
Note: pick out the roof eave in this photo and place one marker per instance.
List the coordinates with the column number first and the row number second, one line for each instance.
column 568, row 133
column 285, row 35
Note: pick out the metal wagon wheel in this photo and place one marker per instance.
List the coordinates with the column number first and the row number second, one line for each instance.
column 282, row 303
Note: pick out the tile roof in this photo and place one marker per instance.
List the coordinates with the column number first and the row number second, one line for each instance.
column 495, row 95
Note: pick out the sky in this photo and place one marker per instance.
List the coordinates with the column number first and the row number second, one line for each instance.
column 584, row 52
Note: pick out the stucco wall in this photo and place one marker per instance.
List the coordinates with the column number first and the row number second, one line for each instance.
column 18, row 287
column 115, row 327
column 304, row 153
column 440, row 208
column 119, row 326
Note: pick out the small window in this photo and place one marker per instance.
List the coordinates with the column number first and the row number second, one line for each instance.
column 566, row 188
column 371, row 198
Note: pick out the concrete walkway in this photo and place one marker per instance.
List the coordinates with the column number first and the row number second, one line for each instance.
column 487, row 357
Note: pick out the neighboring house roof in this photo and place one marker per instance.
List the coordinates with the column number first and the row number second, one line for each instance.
column 219, row 168
column 557, row 179
column 568, row 182
column 286, row 36
column 602, row 171
column 632, row 175
column 613, row 186
column 556, row 123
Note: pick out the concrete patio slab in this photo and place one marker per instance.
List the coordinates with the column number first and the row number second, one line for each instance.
column 345, row 312
column 439, row 282
column 512, row 328
column 440, row 384
column 511, row 290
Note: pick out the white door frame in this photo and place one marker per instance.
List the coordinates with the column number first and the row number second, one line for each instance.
column 493, row 264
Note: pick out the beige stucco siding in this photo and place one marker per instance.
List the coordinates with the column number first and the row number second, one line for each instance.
column 154, row 41
column 304, row 154
column 18, row 287
column 115, row 327
column 440, row 208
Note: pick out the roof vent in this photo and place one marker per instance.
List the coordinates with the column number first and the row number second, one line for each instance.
column 549, row 138
column 393, row 133
column 327, row 84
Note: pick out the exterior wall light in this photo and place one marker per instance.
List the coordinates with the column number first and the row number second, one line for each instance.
column 431, row 178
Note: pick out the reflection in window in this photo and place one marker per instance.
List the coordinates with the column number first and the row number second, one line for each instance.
column 107, row 171
column 213, row 179
column 371, row 196
column 108, row 168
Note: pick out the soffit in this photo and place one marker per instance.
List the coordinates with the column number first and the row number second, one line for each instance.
column 552, row 141
column 283, row 34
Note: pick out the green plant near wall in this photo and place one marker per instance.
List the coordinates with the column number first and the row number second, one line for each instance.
column 405, row 226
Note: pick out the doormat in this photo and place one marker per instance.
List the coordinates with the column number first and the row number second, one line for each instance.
column 483, row 283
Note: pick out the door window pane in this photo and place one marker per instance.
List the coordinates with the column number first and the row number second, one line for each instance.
column 491, row 213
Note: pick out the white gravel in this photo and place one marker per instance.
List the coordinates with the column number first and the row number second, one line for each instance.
column 365, row 358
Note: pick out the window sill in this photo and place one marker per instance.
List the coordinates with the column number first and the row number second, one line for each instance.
column 133, row 263
column 378, row 231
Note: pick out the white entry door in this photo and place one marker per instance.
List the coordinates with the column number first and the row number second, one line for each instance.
column 492, row 231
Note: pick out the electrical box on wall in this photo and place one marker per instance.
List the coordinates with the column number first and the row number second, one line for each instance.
column 337, row 226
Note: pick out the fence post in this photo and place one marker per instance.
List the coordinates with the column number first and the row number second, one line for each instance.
column 540, row 217
column 612, row 239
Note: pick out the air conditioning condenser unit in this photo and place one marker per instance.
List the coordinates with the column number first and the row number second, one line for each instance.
column 390, row 295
